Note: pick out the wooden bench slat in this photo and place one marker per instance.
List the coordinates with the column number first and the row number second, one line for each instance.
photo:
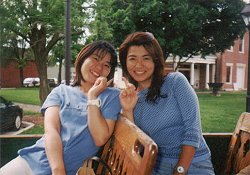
column 131, row 151
column 238, row 156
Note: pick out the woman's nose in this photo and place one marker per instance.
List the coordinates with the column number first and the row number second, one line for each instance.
column 139, row 62
column 99, row 67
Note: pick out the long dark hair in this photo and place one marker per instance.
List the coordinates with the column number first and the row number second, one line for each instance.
column 102, row 48
column 148, row 41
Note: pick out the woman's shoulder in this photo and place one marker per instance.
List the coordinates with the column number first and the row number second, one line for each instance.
column 110, row 93
column 64, row 89
column 173, row 76
column 113, row 90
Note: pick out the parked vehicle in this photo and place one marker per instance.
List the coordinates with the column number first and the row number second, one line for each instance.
column 64, row 82
column 52, row 82
column 11, row 115
column 31, row 81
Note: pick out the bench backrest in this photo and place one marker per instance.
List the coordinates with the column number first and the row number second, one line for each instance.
column 129, row 150
column 238, row 156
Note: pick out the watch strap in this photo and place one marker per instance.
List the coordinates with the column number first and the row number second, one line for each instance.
column 95, row 102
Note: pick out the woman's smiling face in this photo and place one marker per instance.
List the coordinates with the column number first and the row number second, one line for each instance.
column 140, row 65
column 95, row 66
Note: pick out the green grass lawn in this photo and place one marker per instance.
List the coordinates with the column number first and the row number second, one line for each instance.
column 28, row 95
column 218, row 113
column 35, row 130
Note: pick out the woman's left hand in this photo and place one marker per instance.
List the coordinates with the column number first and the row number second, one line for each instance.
column 100, row 85
column 128, row 97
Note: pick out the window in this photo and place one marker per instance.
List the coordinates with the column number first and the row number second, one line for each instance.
column 241, row 45
column 229, row 73
column 230, row 49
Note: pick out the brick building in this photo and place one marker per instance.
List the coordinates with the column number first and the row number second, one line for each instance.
column 232, row 65
column 10, row 74
column 229, row 68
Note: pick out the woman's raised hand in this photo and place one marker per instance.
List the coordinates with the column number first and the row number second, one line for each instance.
column 100, row 85
column 128, row 97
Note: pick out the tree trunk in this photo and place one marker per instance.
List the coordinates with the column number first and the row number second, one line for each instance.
column 38, row 46
column 21, row 76
column 60, row 71
column 41, row 63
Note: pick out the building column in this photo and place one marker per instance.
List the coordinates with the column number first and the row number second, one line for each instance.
column 213, row 73
column 175, row 65
column 207, row 76
column 192, row 74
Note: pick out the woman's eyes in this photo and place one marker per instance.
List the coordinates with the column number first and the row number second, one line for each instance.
column 131, row 59
column 147, row 58
column 107, row 66
column 135, row 59
column 96, row 58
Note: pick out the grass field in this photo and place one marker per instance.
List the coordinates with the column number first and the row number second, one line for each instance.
column 28, row 95
column 218, row 113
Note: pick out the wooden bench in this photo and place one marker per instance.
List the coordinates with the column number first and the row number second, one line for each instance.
column 238, row 156
column 129, row 151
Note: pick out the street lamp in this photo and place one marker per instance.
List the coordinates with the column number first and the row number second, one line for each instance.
column 245, row 13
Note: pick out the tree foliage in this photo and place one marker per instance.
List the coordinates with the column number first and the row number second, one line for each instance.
column 183, row 27
column 41, row 24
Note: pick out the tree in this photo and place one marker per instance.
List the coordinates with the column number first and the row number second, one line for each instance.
column 58, row 56
column 99, row 27
column 15, row 48
column 183, row 27
column 41, row 24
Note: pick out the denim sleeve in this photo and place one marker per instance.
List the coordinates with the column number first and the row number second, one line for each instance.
column 189, row 106
column 111, row 105
column 53, row 99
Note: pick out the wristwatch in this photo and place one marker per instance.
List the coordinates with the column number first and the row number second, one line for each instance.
column 180, row 169
column 95, row 102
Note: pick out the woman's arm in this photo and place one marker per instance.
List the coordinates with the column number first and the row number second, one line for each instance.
column 185, row 159
column 53, row 142
column 190, row 113
column 100, row 128
column 128, row 99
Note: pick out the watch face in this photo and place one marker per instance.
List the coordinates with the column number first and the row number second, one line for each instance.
column 180, row 169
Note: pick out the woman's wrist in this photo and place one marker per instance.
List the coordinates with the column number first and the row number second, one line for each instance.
column 91, row 97
column 128, row 114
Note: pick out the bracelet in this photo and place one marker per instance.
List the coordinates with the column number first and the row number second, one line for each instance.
column 95, row 102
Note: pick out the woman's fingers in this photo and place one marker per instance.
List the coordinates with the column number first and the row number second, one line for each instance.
column 126, row 81
column 123, row 93
column 109, row 82
column 128, row 92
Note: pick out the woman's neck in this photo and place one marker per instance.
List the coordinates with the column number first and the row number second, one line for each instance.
column 141, row 87
column 84, row 87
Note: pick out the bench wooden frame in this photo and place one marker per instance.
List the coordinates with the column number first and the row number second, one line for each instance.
column 129, row 151
column 238, row 156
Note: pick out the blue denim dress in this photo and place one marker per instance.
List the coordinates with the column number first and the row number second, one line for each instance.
column 77, row 141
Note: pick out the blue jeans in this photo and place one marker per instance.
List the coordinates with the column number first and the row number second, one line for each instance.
column 204, row 167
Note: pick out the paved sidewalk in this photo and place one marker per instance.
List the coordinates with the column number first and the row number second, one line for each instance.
column 27, row 107
column 24, row 127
